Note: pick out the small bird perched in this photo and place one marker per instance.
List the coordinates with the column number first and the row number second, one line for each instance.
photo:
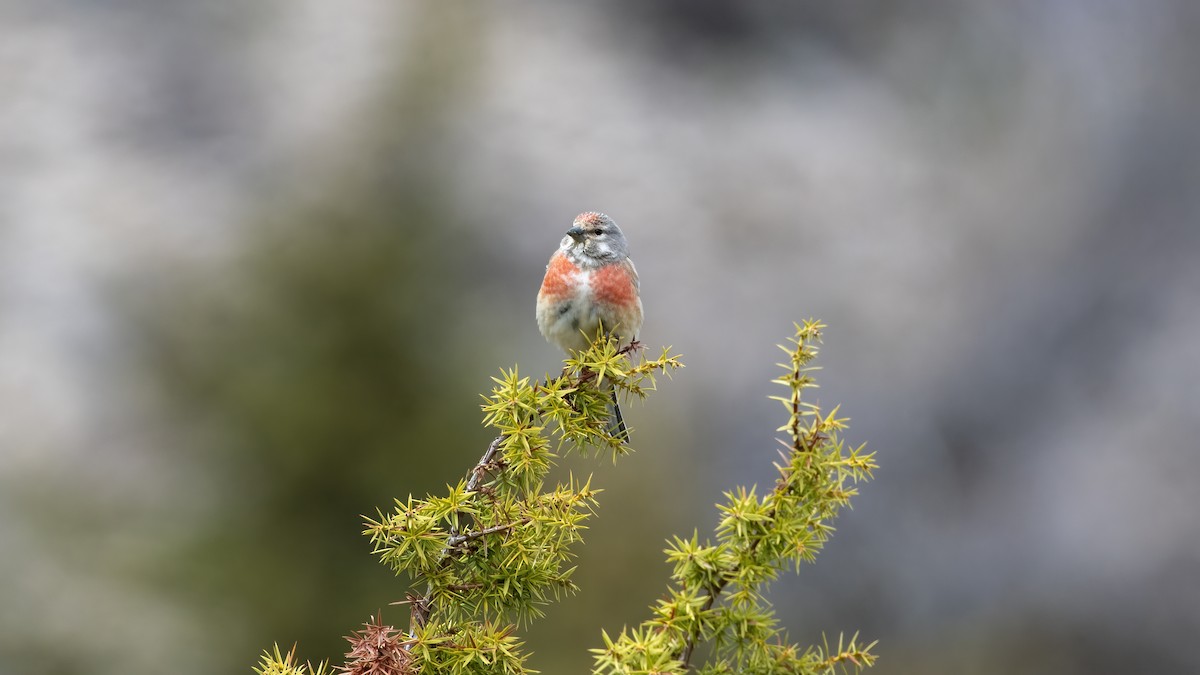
column 591, row 282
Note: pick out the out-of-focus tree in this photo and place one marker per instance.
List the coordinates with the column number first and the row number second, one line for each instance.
column 325, row 363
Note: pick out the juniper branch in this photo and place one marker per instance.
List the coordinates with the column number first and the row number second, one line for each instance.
column 802, row 442
column 497, row 546
column 422, row 607
column 484, row 465
column 718, row 595
column 490, row 466
column 460, row 539
column 714, row 592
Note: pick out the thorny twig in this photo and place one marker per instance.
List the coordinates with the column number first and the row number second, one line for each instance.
column 422, row 606
column 801, row 443
column 459, row 539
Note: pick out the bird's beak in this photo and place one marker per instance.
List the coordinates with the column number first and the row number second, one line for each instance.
column 575, row 233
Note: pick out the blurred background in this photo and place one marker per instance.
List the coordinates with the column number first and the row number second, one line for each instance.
column 257, row 262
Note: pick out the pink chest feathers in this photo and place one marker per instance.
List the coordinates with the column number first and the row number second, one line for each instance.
column 614, row 285
column 561, row 278
column 610, row 285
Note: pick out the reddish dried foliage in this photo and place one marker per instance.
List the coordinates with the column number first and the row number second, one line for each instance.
column 378, row 650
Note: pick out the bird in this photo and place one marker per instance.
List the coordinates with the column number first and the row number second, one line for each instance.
column 591, row 284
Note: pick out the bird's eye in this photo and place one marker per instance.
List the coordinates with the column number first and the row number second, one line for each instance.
column 597, row 232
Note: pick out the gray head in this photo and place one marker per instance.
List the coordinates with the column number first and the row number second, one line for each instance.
column 594, row 239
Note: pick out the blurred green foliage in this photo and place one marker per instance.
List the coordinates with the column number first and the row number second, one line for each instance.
column 320, row 371
column 308, row 381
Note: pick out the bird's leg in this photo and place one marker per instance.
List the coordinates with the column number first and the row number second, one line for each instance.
column 619, row 422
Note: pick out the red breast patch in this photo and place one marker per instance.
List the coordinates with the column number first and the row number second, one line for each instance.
column 613, row 285
column 559, row 279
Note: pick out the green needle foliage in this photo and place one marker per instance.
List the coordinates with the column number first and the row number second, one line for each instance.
column 278, row 663
column 716, row 596
column 496, row 548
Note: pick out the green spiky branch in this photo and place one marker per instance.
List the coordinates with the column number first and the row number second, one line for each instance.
column 498, row 533
column 276, row 662
column 716, row 596
column 497, row 546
